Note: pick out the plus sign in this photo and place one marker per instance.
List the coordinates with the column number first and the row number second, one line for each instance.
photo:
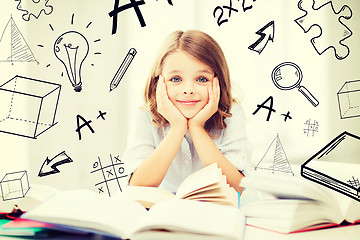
column 287, row 115
column 101, row 114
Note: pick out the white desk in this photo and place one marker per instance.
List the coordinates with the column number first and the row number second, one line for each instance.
column 342, row 233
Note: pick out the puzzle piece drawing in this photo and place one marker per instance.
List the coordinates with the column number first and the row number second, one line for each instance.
column 34, row 8
column 330, row 23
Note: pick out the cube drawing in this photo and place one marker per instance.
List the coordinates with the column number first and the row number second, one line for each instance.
column 349, row 99
column 28, row 106
column 14, row 185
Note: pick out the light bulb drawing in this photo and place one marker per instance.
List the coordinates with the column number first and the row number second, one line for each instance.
column 72, row 48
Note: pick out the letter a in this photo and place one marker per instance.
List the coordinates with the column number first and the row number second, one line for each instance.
column 86, row 123
column 270, row 108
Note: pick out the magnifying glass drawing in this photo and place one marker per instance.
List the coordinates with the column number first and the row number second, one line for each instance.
column 287, row 76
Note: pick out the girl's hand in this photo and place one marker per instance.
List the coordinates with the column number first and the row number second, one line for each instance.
column 167, row 109
column 209, row 109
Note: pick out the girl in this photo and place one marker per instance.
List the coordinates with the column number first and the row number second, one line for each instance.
column 191, row 120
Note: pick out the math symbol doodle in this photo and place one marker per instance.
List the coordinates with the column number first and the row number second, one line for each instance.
column 332, row 29
column 109, row 175
column 34, row 8
column 311, row 128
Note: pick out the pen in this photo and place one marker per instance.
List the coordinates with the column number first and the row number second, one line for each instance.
column 122, row 69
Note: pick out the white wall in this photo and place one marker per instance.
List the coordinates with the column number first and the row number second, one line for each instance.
column 251, row 75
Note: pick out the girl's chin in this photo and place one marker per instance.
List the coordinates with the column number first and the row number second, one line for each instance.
column 188, row 115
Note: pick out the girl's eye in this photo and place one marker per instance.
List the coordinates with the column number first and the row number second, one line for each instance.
column 202, row 79
column 175, row 79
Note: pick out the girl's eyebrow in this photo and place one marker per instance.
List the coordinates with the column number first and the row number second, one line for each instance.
column 174, row 71
column 205, row 71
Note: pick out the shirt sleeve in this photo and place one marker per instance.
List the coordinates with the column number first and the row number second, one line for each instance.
column 234, row 145
column 140, row 142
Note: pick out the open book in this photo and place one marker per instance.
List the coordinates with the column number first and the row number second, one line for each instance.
column 207, row 185
column 294, row 204
column 128, row 219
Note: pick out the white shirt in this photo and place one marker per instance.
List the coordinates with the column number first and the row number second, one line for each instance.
column 144, row 137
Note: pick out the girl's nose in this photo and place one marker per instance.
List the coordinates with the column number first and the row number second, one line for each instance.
column 188, row 87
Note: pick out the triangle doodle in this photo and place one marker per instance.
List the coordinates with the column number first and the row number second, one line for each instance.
column 13, row 46
column 275, row 158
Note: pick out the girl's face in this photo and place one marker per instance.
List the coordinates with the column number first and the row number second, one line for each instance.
column 187, row 81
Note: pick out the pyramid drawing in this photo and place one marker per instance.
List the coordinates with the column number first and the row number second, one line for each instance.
column 13, row 46
column 275, row 158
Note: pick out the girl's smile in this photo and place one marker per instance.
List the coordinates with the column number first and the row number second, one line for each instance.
column 187, row 81
column 188, row 102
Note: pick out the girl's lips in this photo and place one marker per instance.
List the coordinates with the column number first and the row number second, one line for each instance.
column 189, row 102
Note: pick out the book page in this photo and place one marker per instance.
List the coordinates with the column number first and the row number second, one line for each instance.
column 204, row 177
column 292, row 187
column 147, row 196
column 287, row 215
column 85, row 209
column 352, row 213
column 194, row 217
column 350, row 208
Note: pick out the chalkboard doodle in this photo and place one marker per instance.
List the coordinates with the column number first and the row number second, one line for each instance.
column 109, row 175
column 275, row 159
column 123, row 68
column 288, row 76
column 14, row 185
column 349, row 99
column 13, row 45
column 311, row 127
column 266, row 33
column 87, row 123
column 72, row 48
column 219, row 11
column 50, row 166
column 28, row 106
column 336, row 166
column 133, row 4
column 333, row 31
column 34, row 8
column 270, row 109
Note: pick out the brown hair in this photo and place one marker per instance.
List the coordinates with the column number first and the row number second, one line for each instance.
column 205, row 49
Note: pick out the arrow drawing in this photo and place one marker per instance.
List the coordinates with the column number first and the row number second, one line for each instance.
column 266, row 34
column 49, row 166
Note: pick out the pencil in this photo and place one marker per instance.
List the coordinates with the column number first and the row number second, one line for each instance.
column 122, row 69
